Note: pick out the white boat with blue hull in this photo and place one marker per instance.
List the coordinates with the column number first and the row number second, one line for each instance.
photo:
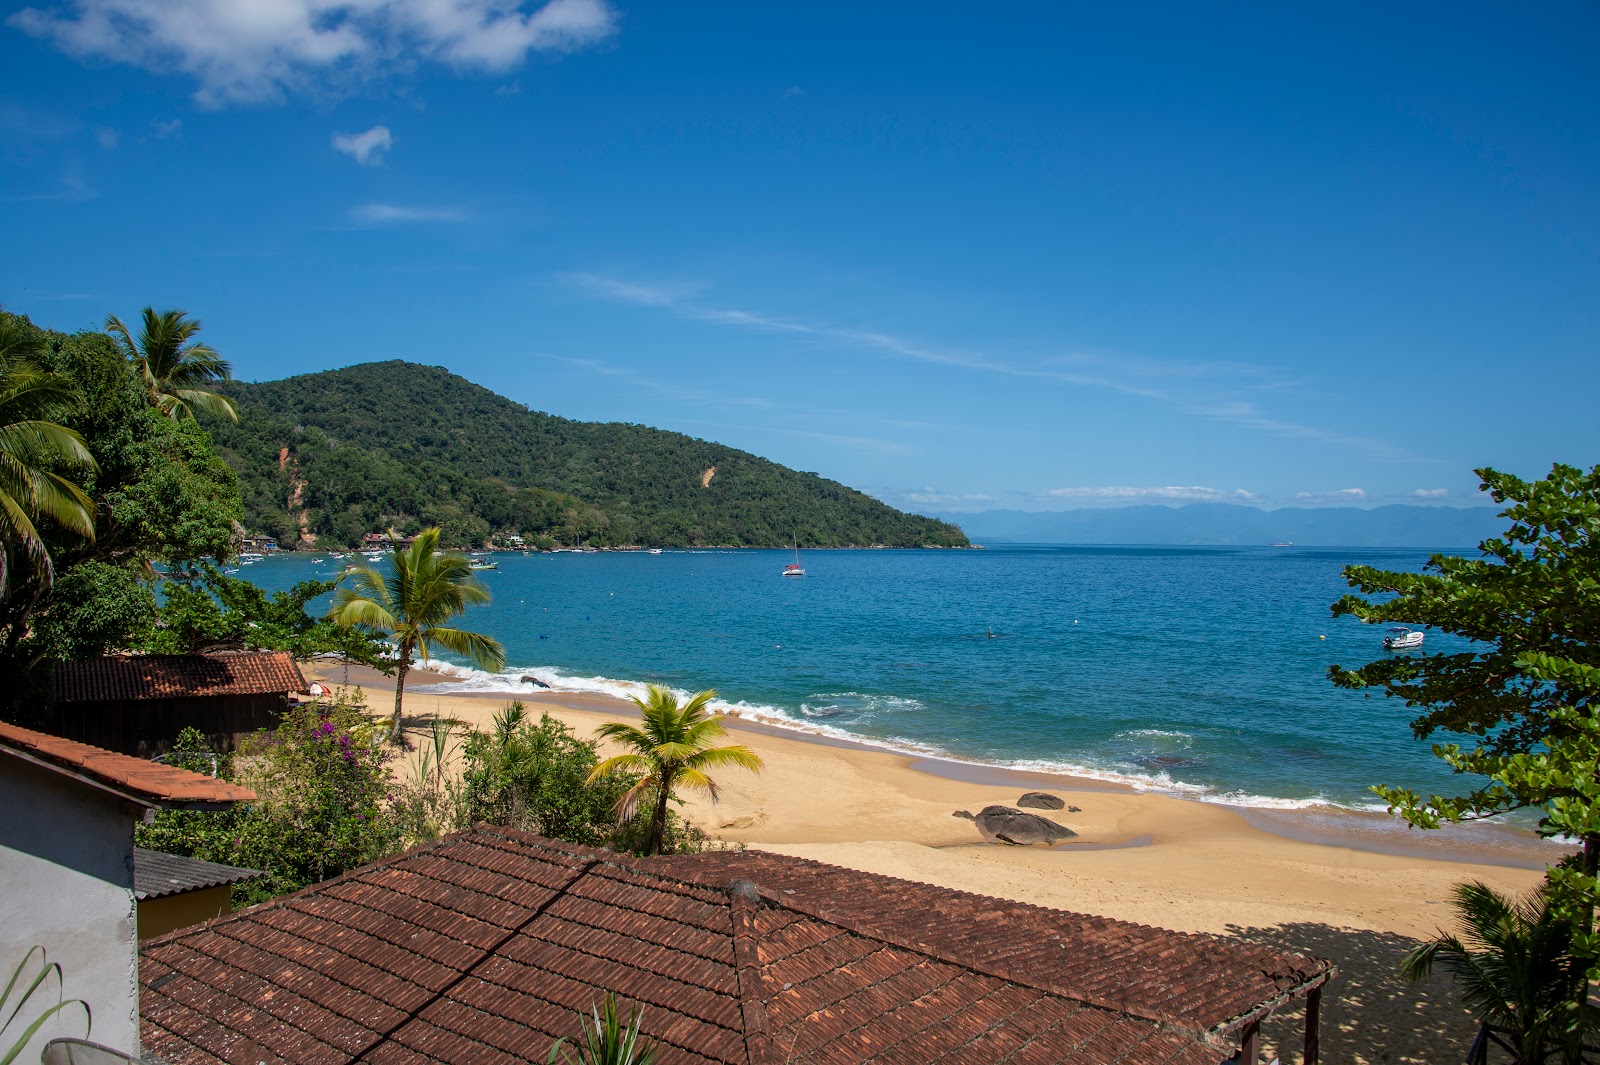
column 1402, row 638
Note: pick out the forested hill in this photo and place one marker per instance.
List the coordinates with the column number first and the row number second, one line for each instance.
column 339, row 454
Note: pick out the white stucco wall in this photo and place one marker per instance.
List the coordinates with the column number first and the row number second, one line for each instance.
column 66, row 882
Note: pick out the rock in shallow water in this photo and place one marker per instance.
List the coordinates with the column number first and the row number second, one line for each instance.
column 1039, row 800
column 1003, row 824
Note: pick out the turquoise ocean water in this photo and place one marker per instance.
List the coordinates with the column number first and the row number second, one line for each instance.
column 1200, row 671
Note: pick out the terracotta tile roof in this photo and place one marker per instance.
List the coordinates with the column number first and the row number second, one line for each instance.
column 485, row 946
column 132, row 677
column 1197, row 982
column 157, row 875
column 134, row 778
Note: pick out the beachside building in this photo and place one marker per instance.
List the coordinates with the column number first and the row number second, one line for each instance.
column 67, row 871
column 486, row 946
column 137, row 704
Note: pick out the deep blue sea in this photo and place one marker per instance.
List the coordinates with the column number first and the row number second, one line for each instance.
column 1201, row 671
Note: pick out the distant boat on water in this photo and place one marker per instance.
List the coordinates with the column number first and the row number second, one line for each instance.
column 795, row 569
column 1286, row 543
column 482, row 564
column 1401, row 638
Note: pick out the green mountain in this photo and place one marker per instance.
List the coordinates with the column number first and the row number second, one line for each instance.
column 333, row 456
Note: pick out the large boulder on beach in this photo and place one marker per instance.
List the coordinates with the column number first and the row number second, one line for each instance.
column 1005, row 824
column 1039, row 800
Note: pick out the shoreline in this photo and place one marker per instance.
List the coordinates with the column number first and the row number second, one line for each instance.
column 1351, row 888
column 1325, row 824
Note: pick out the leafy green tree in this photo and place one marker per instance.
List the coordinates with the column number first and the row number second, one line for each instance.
column 159, row 494
column 178, row 371
column 671, row 749
column 424, row 591
column 32, row 446
column 534, row 775
column 1522, row 686
column 1515, row 967
column 207, row 610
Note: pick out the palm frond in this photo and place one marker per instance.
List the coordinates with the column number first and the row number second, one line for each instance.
column 485, row 651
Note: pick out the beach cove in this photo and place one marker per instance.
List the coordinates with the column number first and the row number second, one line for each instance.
column 1351, row 887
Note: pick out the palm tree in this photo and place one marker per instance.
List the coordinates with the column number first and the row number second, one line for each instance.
column 31, row 442
column 1517, row 971
column 414, row 606
column 672, row 749
column 178, row 371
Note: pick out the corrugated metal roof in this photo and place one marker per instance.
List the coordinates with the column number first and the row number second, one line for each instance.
column 157, row 874
column 486, row 946
column 137, row 778
column 133, row 677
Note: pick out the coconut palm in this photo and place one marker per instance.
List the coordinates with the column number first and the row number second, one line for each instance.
column 414, row 606
column 1516, row 969
column 31, row 443
column 178, row 371
column 671, row 749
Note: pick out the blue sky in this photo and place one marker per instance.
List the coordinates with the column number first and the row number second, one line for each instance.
column 958, row 256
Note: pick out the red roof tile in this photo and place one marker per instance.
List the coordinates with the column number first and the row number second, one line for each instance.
column 485, row 946
column 133, row 677
column 1201, row 982
column 135, row 778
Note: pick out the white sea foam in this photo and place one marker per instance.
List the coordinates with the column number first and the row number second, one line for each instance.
column 806, row 721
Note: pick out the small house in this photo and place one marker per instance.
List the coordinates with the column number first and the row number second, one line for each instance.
column 67, row 875
column 137, row 704
column 175, row 892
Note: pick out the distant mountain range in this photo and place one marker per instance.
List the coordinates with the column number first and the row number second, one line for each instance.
column 1397, row 525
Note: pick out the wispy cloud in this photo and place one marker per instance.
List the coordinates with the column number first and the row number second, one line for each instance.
column 929, row 496
column 107, row 137
column 1342, row 495
column 1142, row 379
column 854, row 443
column 366, row 148
column 1125, row 493
column 380, row 214
column 1430, row 493
column 166, row 130
column 668, row 390
column 252, row 52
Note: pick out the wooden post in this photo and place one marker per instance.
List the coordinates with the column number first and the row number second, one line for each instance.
column 1250, row 1045
column 1313, row 1025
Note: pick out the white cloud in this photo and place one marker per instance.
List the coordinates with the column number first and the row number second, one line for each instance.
column 365, row 148
column 386, row 213
column 255, row 51
column 1189, row 493
column 929, row 496
column 1430, row 493
column 164, row 130
column 107, row 137
column 1342, row 495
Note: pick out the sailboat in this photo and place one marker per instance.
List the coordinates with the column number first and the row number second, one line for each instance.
column 795, row 569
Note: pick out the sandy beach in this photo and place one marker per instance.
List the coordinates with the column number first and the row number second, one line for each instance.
column 1355, row 889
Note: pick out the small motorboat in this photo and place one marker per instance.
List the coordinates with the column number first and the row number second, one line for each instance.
column 1401, row 638
column 482, row 564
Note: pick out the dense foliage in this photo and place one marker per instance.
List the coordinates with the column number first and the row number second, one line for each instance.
column 158, row 493
column 321, row 780
column 533, row 775
column 348, row 452
column 1523, row 692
